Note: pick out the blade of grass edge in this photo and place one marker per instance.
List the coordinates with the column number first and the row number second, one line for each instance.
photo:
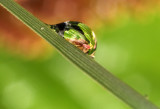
column 81, row 60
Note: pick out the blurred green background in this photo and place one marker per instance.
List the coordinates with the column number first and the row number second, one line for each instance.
column 33, row 75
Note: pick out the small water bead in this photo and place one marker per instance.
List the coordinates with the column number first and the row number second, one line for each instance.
column 42, row 28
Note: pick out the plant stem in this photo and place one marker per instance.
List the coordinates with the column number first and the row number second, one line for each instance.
column 81, row 60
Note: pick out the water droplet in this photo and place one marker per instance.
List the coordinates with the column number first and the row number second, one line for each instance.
column 77, row 34
column 42, row 28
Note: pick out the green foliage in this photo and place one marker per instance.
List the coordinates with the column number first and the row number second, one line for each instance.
column 37, row 79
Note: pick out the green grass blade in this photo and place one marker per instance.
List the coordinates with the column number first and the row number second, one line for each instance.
column 81, row 60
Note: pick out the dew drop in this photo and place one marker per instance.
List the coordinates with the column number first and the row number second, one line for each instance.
column 42, row 28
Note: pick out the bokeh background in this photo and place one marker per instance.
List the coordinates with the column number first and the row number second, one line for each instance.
column 33, row 75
